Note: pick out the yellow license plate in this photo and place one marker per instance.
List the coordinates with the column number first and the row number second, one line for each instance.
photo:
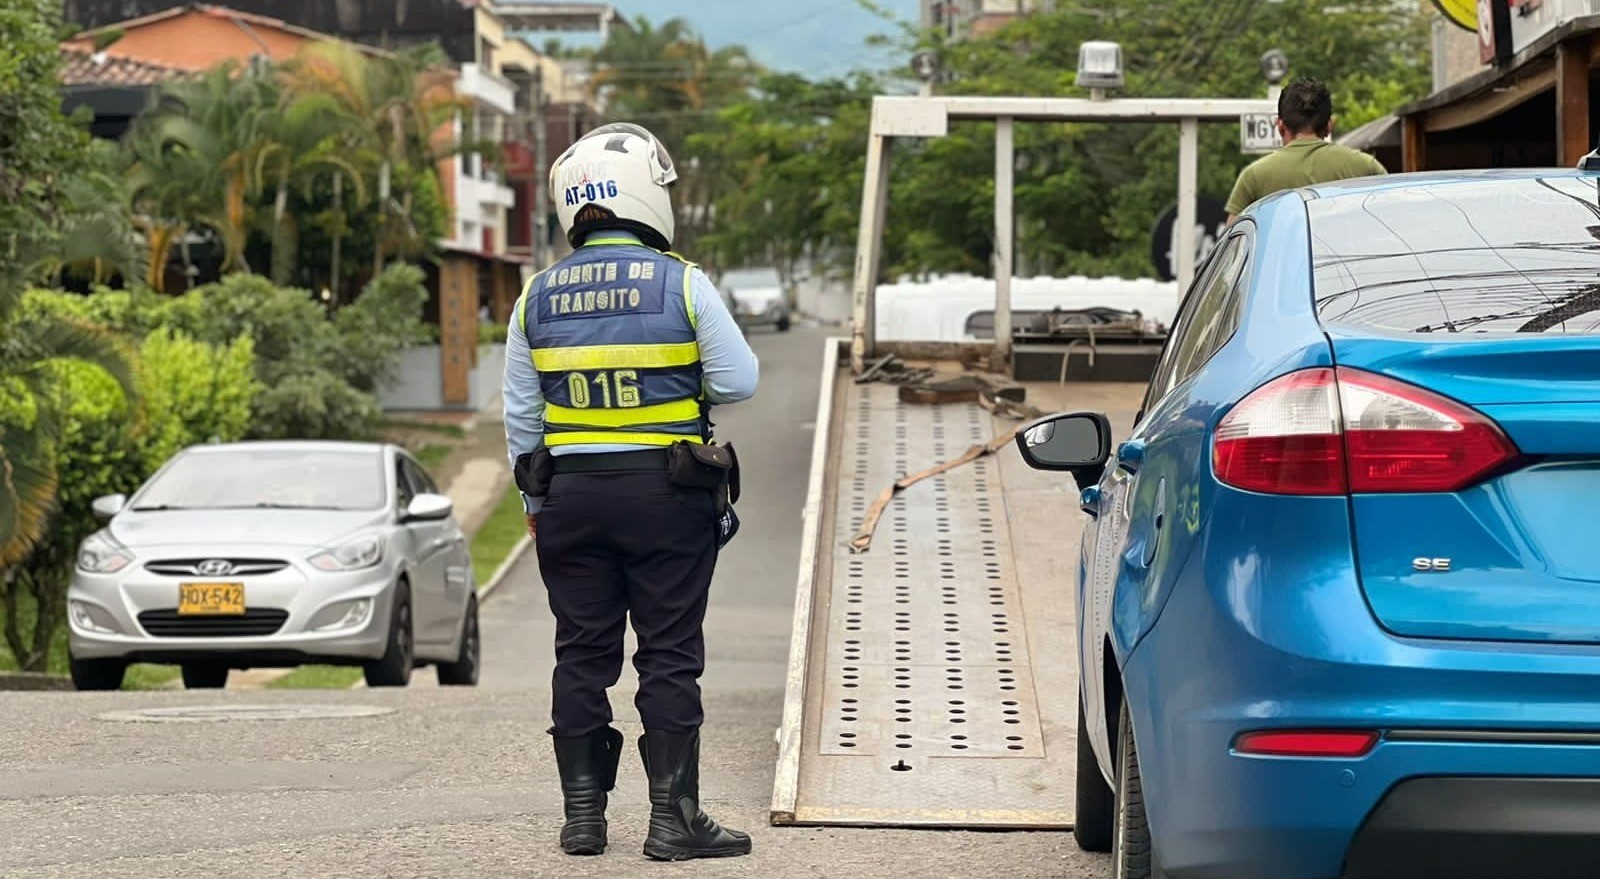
column 213, row 599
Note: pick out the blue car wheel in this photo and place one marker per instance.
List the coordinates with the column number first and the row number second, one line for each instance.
column 1132, row 854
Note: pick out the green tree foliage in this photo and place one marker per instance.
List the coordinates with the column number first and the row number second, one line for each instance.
column 794, row 156
column 294, row 343
column 327, row 163
column 40, row 152
column 1087, row 195
column 238, row 359
column 316, row 372
column 667, row 79
column 108, row 442
column 317, row 375
column 374, row 329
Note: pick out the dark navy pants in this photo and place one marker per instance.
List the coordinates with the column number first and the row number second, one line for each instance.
column 619, row 546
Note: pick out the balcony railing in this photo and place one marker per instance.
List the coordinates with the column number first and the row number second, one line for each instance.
column 487, row 88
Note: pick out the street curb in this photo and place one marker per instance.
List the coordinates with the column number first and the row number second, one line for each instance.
column 501, row 572
column 33, row 682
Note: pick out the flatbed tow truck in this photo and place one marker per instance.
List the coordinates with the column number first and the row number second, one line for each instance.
column 932, row 678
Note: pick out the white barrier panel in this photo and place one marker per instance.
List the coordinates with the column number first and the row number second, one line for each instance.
column 939, row 310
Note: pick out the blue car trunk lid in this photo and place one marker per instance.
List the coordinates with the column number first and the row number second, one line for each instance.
column 1514, row 556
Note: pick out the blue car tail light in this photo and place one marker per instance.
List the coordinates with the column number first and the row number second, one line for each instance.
column 1337, row 431
column 1306, row 743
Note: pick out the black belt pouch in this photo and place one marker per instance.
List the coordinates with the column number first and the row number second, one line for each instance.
column 534, row 471
column 709, row 466
column 695, row 465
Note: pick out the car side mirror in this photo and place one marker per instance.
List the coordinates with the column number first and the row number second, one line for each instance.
column 428, row 508
column 106, row 507
column 1077, row 442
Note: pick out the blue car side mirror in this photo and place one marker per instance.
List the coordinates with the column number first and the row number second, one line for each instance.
column 1076, row 442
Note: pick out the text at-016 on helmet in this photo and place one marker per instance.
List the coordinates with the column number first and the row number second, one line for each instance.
column 622, row 169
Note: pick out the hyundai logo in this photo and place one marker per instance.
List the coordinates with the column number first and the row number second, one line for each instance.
column 214, row 567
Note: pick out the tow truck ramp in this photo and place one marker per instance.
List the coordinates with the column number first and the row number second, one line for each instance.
column 932, row 679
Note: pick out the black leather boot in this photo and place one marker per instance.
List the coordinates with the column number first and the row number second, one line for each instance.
column 679, row 831
column 588, row 768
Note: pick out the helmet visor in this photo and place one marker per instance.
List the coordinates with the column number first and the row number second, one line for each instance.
column 661, row 167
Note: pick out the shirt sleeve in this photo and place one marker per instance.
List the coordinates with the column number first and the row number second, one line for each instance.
column 524, row 402
column 1243, row 192
column 731, row 371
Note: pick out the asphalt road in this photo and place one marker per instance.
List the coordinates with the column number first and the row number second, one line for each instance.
column 461, row 783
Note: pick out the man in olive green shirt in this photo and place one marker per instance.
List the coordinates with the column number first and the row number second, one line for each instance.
column 1305, row 122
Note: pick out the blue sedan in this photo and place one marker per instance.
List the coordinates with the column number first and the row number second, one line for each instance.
column 1339, row 598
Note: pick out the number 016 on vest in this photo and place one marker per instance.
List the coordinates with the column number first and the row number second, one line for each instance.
column 616, row 390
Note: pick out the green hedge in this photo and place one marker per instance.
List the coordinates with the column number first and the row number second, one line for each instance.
column 317, row 372
column 188, row 392
column 239, row 359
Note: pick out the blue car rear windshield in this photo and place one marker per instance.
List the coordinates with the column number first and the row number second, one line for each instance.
column 1486, row 257
column 268, row 478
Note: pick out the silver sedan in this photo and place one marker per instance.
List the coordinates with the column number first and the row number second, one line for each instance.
column 277, row 554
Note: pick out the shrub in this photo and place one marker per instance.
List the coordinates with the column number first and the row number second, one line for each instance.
column 136, row 313
column 492, row 333
column 375, row 329
column 317, row 374
column 195, row 393
column 189, row 392
column 315, row 404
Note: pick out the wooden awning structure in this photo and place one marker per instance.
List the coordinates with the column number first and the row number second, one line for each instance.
column 1532, row 111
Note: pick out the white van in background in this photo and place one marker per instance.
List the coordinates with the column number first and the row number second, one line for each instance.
column 958, row 308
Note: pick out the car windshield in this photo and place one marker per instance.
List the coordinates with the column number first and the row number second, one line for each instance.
column 750, row 280
column 1488, row 257
column 244, row 478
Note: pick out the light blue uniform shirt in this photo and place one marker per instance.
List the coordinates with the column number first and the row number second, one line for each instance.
column 730, row 372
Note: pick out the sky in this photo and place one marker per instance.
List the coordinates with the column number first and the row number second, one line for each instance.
column 814, row 37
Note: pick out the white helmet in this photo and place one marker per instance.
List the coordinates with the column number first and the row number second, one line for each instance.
column 622, row 168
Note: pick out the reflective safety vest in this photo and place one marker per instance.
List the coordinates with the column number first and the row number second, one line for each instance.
column 612, row 332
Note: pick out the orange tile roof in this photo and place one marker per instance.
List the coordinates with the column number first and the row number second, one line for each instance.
column 80, row 68
column 197, row 36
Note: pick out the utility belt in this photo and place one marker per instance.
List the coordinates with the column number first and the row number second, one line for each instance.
column 707, row 466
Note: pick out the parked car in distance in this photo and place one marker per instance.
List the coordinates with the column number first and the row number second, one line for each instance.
column 759, row 298
column 277, row 554
column 1336, row 595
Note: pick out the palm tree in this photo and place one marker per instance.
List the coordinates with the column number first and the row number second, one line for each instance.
column 303, row 144
column 96, row 236
column 220, row 123
column 398, row 111
column 667, row 79
column 165, row 180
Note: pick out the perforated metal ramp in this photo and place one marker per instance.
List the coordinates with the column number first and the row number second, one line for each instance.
column 939, row 684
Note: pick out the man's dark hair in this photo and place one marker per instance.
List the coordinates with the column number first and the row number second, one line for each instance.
column 1306, row 107
column 593, row 213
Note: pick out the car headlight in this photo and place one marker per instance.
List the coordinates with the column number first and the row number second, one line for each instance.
column 352, row 555
column 100, row 553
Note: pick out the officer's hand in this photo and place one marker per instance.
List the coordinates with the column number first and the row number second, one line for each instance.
column 533, row 525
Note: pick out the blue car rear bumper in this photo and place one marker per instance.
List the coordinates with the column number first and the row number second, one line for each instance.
column 1489, row 766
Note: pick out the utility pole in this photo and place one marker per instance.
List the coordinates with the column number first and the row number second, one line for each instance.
column 538, row 225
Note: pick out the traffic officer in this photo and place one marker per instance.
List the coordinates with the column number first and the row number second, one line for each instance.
column 613, row 358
